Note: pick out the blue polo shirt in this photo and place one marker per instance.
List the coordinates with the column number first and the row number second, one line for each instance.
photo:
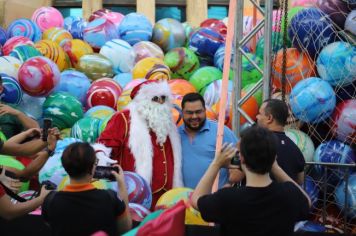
column 199, row 153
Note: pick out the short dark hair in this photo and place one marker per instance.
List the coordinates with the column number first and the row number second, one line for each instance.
column 278, row 109
column 78, row 159
column 192, row 97
column 258, row 146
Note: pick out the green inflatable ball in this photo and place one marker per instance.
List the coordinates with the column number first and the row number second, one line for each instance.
column 277, row 43
column 103, row 123
column 182, row 61
column 250, row 74
column 63, row 108
column 204, row 76
column 86, row 129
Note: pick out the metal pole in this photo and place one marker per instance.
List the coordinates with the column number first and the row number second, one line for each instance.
column 267, row 56
column 238, row 66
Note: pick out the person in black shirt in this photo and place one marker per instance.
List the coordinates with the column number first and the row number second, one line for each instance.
column 262, row 207
column 273, row 115
column 80, row 208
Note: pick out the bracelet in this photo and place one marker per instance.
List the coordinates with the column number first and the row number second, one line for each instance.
column 49, row 152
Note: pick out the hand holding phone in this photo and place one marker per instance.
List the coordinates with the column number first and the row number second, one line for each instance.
column 104, row 172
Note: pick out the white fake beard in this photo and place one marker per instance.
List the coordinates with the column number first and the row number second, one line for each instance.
column 158, row 117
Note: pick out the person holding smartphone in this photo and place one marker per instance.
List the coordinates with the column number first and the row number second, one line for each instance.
column 263, row 206
column 80, row 208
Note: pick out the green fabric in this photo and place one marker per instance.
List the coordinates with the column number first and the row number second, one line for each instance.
column 149, row 217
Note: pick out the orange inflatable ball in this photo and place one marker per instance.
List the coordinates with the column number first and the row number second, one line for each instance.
column 177, row 115
column 250, row 107
column 299, row 66
column 210, row 114
column 151, row 68
column 181, row 87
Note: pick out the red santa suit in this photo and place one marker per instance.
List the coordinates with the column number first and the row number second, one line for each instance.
column 135, row 148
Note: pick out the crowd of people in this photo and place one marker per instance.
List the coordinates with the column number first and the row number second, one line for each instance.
column 261, row 195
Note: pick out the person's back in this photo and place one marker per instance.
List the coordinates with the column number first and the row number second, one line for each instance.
column 257, row 211
column 83, row 210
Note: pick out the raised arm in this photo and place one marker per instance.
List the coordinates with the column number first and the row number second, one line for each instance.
column 26, row 121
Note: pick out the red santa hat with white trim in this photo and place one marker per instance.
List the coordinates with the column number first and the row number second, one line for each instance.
column 150, row 88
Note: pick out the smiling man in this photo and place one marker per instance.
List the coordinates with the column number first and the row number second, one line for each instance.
column 198, row 136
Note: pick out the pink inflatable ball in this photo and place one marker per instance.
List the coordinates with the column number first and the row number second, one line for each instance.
column 103, row 91
column 47, row 17
column 120, row 53
column 138, row 212
column 248, row 27
column 335, row 9
column 38, row 76
column 24, row 27
column 277, row 15
column 123, row 79
column 168, row 33
column 215, row 24
column 304, row 3
column 98, row 14
column 14, row 42
column 138, row 190
column 343, row 121
column 145, row 49
column 99, row 31
column 10, row 65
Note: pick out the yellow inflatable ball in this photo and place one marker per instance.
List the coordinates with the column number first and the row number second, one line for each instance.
column 171, row 197
column 57, row 35
column 151, row 68
column 54, row 52
column 75, row 49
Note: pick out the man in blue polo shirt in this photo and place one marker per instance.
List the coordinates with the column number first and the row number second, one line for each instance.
column 198, row 136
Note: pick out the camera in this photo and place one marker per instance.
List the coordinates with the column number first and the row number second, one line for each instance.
column 235, row 161
column 104, row 172
column 49, row 185
column 47, row 124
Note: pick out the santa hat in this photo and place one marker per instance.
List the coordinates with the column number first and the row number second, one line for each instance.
column 150, row 88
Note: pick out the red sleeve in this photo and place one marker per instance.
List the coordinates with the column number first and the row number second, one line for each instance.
column 2, row 191
column 114, row 134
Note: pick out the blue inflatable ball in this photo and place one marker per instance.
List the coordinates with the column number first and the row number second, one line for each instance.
column 75, row 83
column 24, row 27
column 53, row 169
column 24, row 52
column 334, row 151
column 32, row 106
column 310, row 226
column 310, row 30
column 312, row 100
column 336, row 63
column 75, row 25
column 220, row 56
column 205, row 42
column 168, row 33
column 12, row 92
column 3, row 36
column 311, row 187
column 135, row 28
column 123, row 79
column 350, row 208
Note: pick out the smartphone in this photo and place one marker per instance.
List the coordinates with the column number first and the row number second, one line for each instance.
column 47, row 124
column 236, row 160
column 13, row 176
column 104, row 172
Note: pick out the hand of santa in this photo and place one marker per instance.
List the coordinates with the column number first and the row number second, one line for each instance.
column 105, row 161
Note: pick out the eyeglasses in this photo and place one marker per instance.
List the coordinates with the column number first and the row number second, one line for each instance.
column 197, row 112
column 158, row 98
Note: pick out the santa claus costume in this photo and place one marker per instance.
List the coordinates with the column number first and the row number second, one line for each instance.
column 144, row 138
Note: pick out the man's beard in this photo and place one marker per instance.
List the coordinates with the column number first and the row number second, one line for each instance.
column 158, row 117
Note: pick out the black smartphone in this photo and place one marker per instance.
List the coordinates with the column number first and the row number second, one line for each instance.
column 236, row 160
column 47, row 124
column 13, row 176
column 104, row 172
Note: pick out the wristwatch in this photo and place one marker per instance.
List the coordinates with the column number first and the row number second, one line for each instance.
column 49, row 151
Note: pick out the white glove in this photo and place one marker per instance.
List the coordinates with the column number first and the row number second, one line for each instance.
column 13, row 184
column 105, row 161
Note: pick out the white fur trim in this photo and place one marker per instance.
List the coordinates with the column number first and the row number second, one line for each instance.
column 148, row 91
column 103, row 154
column 140, row 145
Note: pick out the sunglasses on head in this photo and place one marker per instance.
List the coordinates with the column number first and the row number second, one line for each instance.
column 157, row 98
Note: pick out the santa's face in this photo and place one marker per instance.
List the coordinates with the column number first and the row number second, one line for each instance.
column 157, row 113
column 194, row 115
